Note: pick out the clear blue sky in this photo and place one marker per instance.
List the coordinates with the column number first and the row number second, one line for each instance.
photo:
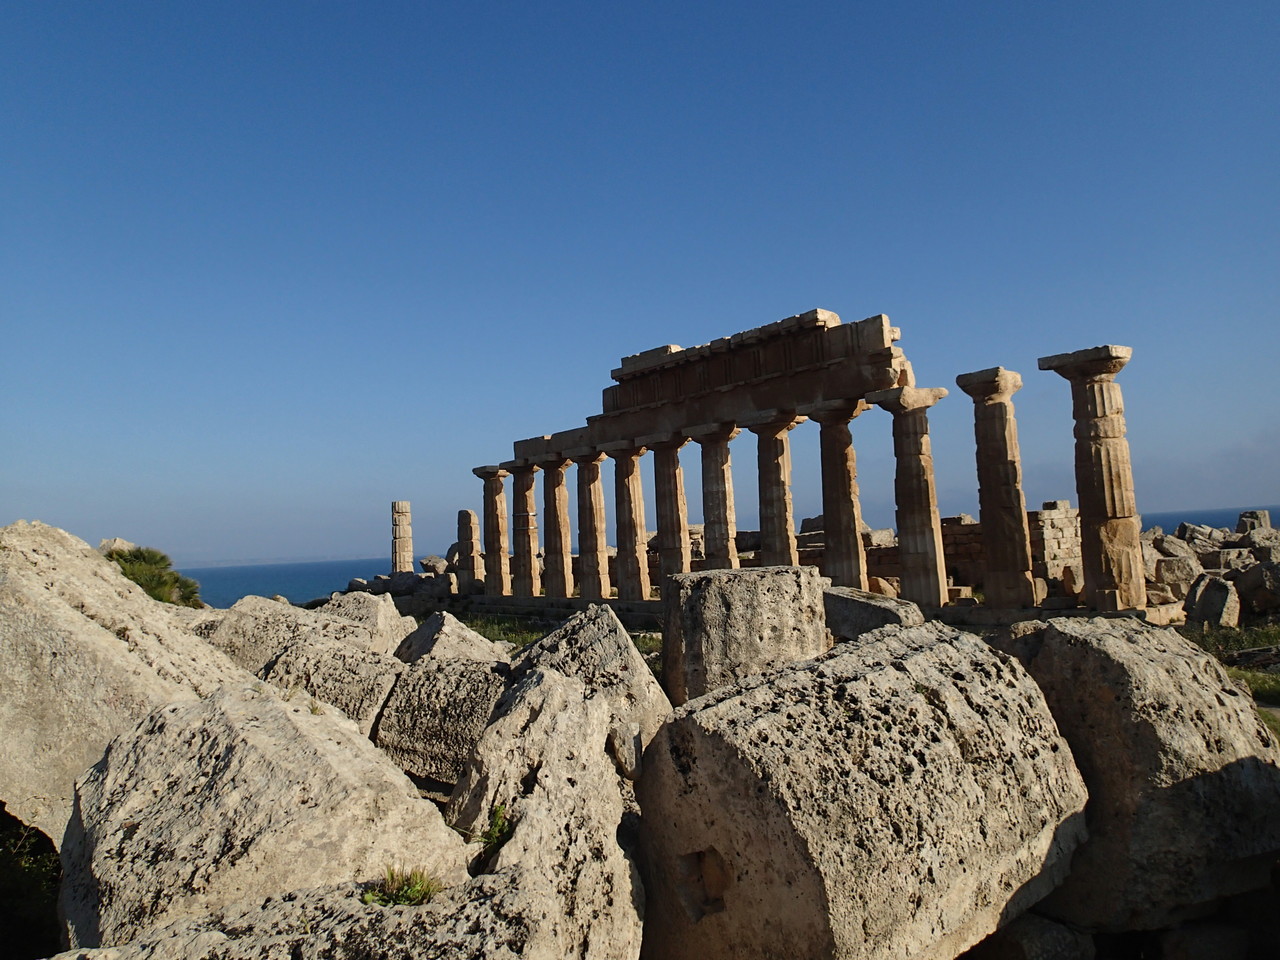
column 269, row 266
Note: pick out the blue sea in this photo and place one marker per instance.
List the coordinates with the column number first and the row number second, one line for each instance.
column 300, row 582
column 1221, row 517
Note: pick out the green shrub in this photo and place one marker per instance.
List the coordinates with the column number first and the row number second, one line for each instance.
column 30, row 874
column 1265, row 687
column 497, row 833
column 515, row 630
column 153, row 572
column 400, row 889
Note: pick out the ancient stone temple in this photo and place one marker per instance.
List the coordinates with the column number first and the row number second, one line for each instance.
column 764, row 381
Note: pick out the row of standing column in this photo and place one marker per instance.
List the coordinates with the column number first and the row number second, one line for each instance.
column 924, row 578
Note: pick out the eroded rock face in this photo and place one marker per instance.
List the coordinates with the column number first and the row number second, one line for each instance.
column 436, row 712
column 892, row 798
column 256, row 630
column 443, row 635
column 386, row 627
column 333, row 671
column 851, row 612
column 84, row 654
column 240, row 795
column 1182, row 773
column 593, row 646
column 723, row 625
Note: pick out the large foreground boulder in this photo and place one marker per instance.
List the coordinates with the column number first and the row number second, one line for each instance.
column 593, row 646
column 1184, row 787
column 899, row 797
column 723, row 625
column 240, row 795
column 84, row 654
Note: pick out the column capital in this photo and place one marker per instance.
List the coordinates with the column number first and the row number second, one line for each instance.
column 835, row 411
column 558, row 462
column 1089, row 365
column 585, row 455
column 663, row 441
column 620, row 449
column 773, row 421
column 518, row 466
column 993, row 385
column 900, row 400
column 490, row 471
column 704, row 432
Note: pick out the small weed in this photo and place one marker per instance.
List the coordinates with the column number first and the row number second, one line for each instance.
column 316, row 708
column 497, row 833
column 398, row 888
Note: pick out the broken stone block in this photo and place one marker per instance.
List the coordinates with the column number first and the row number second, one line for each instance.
column 444, row 636
column 240, row 795
column 884, row 586
column 1259, row 587
column 1228, row 558
column 723, row 625
column 1176, row 570
column 436, row 713
column 851, row 612
column 386, row 626
column 894, row 798
column 1212, row 601
column 1169, row 546
column 1183, row 775
column 256, row 630
column 434, row 565
column 353, row 680
column 1253, row 520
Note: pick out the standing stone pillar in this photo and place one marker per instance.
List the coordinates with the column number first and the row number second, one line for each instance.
column 719, row 519
column 592, row 544
column 1114, row 573
column 673, row 509
column 924, row 578
column 844, row 558
column 497, row 569
column 558, row 554
column 633, row 552
column 526, row 578
column 401, row 537
column 773, row 450
column 470, row 558
column 1007, row 580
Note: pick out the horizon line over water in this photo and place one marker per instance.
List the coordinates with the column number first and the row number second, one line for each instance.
column 221, row 585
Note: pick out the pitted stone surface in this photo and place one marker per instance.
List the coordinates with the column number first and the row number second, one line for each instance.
column 1182, row 773
column 436, row 712
column 851, row 613
column 354, row 681
column 724, row 625
column 386, row 627
column 593, row 646
column 256, row 630
column 443, row 635
column 892, row 798
column 240, row 795
column 84, row 654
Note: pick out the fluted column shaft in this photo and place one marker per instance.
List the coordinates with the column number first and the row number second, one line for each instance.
column 401, row 537
column 497, row 570
column 633, row 559
column 773, row 460
column 527, row 580
column 1006, row 535
column 924, row 576
column 719, row 518
column 844, row 559
column 557, row 552
column 1110, row 528
column 672, row 507
column 593, row 557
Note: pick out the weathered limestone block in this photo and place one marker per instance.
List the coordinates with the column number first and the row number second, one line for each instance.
column 256, row 630
column 1213, row 601
column 561, row 882
column 444, row 636
column 1259, row 587
column 1228, row 558
column 1170, row 546
column 434, row 564
column 354, row 681
column 436, row 712
column 1253, row 520
column 84, row 654
column 439, row 586
column 240, row 795
column 594, row 647
column 723, row 625
column 850, row 613
column 379, row 614
column 1177, row 570
column 1031, row 937
column 890, row 799
column 1182, row 774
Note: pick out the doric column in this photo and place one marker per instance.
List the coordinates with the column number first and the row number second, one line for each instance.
column 401, row 537
column 719, row 520
column 924, row 577
column 526, row 578
column 1006, row 536
column 593, row 556
column 1109, row 523
column 673, row 509
column 470, row 558
column 557, row 552
column 497, row 570
column 773, row 449
column 633, row 554
column 844, row 559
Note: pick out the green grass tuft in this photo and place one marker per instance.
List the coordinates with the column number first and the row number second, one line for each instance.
column 497, row 833
column 515, row 630
column 399, row 888
column 1265, row 687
